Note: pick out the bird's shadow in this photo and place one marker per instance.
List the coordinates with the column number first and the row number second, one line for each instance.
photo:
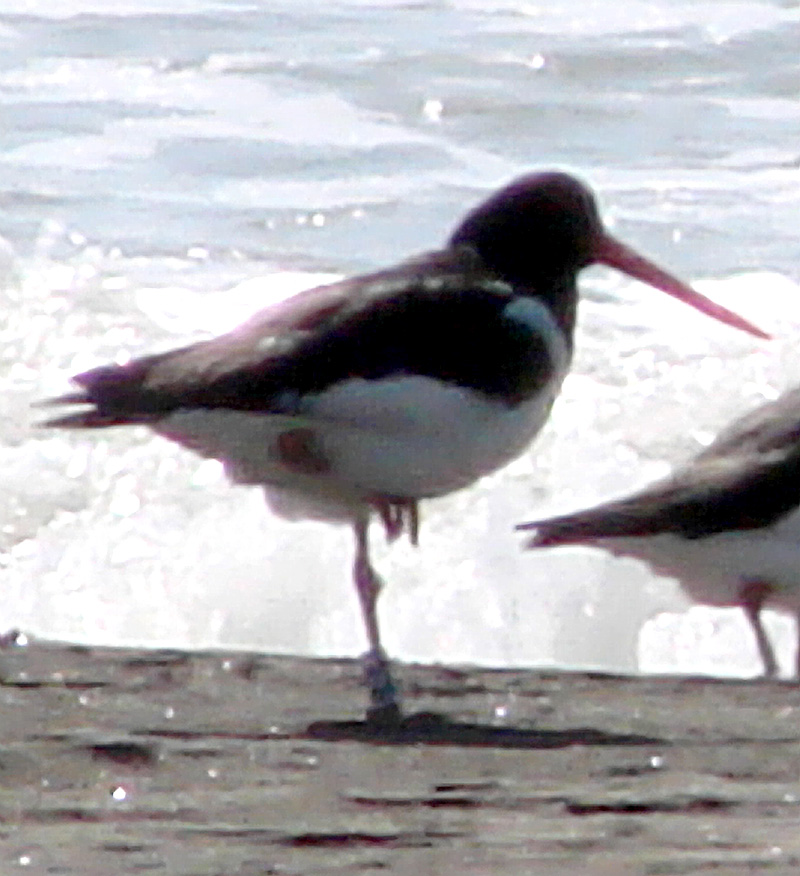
column 431, row 728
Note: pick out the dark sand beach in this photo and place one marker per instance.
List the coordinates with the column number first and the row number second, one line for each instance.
column 118, row 761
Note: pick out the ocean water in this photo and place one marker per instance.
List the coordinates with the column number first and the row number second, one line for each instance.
column 169, row 166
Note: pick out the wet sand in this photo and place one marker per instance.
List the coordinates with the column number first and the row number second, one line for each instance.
column 118, row 761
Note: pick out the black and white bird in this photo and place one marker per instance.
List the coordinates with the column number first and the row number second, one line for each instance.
column 726, row 524
column 360, row 398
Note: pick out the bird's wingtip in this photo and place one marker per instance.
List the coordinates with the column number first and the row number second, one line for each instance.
column 81, row 419
column 70, row 398
column 537, row 537
column 91, row 419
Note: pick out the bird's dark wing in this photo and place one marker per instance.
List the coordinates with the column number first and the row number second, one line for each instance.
column 441, row 315
column 774, row 426
column 748, row 478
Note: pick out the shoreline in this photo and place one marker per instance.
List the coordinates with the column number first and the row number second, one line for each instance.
column 123, row 760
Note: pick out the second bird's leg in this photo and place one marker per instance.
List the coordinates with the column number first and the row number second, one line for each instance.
column 797, row 640
column 384, row 698
column 752, row 597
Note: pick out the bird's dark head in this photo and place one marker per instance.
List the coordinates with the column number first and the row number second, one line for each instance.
column 538, row 230
column 541, row 229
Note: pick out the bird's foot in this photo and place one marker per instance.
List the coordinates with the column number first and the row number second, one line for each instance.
column 398, row 516
column 384, row 698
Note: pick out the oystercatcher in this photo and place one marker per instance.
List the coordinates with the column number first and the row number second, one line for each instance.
column 362, row 397
column 726, row 524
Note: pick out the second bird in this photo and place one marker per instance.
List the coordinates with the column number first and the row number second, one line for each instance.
column 726, row 524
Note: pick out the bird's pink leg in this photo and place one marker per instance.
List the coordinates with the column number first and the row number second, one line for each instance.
column 752, row 596
column 384, row 700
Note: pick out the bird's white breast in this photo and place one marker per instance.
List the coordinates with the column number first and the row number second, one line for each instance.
column 712, row 569
column 415, row 436
column 409, row 436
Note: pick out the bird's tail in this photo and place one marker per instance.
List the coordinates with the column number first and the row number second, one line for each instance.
column 90, row 418
column 578, row 528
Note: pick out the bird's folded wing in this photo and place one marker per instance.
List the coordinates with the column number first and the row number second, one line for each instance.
column 440, row 316
column 705, row 497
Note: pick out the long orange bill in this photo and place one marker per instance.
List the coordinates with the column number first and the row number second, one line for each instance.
column 610, row 251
